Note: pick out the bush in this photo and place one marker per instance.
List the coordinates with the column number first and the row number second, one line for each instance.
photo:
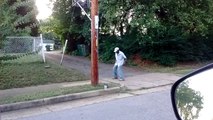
column 167, row 47
column 106, row 46
column 167, row 60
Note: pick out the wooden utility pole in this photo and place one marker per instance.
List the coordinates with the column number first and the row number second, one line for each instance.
column 94, row 42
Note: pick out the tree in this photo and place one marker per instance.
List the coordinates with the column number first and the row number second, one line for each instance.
column 26, row 20
column 50, row 28
column 189, row 102
column 7, row 16
column 71, row 23
column 18, row 18
column 164, row 31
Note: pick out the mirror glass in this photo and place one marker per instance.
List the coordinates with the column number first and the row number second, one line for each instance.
column 194, row 97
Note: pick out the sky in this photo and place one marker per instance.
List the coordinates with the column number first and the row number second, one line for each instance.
column 44, row 9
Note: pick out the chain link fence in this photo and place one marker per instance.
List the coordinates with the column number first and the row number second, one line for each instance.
column 15, row 47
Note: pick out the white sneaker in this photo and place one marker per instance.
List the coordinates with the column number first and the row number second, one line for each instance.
column 121, row 79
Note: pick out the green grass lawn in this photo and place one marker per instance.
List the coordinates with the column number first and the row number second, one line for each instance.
column 53, row 92
column 30, row 71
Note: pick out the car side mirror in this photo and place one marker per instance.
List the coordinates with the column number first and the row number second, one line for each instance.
column 191, row 95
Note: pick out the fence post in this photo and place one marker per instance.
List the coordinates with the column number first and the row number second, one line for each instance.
column 64, row 48
column 42, row 49
column 34, row 44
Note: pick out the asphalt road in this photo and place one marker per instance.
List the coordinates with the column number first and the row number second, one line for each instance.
column 150, row 106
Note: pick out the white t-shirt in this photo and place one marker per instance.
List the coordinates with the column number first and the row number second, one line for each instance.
column 119, row 58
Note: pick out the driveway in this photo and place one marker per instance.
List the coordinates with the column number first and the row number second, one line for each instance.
column 134, row 78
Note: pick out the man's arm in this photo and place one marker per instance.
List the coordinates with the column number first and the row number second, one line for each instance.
column 124, row 56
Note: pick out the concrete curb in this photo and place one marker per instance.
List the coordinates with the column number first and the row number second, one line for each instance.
column 144, row 88
column 57, row 99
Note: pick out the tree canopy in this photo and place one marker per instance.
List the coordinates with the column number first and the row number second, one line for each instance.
column 189, row 102
column 18, row 18
column 163, row 31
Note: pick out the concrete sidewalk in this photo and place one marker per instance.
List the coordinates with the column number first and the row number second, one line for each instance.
column 146, row 81
column 134, row 80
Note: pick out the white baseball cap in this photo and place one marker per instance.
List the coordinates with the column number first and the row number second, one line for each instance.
column 116, row 49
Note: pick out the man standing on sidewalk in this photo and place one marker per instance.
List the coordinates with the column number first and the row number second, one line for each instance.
column 120, row 59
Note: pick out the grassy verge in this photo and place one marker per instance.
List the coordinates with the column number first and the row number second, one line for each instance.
column 53, row 92
column 30, row 71
column 179, row 69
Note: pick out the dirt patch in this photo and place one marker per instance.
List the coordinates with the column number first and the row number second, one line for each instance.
column 137, row 60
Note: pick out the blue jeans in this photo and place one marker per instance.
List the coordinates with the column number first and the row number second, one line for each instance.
column 118, row 72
